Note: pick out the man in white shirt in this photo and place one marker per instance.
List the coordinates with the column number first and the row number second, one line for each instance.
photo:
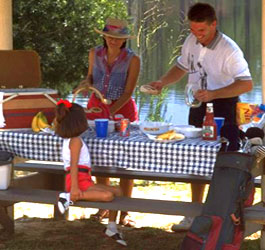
column 216, row 68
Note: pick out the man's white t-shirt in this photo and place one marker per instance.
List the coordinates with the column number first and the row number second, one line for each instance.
column 219, row 64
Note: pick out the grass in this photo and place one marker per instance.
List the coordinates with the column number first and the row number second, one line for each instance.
column 86, row 234
column 152, row 230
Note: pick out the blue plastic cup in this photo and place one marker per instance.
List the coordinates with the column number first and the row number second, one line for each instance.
column 220, row 123
column 101, row 127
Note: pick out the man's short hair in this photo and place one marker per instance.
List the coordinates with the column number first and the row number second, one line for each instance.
column 201, row 12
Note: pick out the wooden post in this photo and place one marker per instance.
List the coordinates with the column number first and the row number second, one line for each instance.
column 262, row 237
column 6, row 33
column 263, row 51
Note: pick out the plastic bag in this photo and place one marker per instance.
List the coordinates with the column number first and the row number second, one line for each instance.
column 249, row 112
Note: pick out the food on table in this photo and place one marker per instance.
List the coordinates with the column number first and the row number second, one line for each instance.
column 170, row 135
column 39, row 122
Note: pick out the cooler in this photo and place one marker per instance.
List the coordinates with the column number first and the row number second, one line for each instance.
column 21, row 105
column 20, row 78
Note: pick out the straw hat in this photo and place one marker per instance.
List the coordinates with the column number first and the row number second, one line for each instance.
column 115, row 28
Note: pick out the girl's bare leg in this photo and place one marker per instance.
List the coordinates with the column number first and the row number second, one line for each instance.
column 115, row 190
column 103, row 183
column 112, row 216
column 97, row 194
column 106, row 193
column 126, row 187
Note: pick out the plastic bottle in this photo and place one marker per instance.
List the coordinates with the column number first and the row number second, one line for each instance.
column 209, row 128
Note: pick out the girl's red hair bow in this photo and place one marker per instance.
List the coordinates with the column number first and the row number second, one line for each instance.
column 66, row 103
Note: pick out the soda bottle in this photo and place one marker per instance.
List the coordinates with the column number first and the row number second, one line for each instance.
column 209, row 128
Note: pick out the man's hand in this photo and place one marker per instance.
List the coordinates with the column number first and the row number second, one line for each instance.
column 204, row 95
column 157, row 85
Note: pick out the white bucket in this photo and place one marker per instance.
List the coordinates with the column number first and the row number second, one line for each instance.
column 5, row 175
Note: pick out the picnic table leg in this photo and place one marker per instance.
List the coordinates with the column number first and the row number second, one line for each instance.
column 262, row 239
column 57, row 183
column 43, row 180
column 7, row 217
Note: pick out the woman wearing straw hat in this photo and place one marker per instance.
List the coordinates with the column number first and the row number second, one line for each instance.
column 113, row 70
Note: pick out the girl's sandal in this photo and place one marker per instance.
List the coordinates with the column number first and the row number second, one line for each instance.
column 100, row 215
column 127, row 221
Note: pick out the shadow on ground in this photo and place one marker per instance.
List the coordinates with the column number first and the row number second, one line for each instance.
column 49, row 234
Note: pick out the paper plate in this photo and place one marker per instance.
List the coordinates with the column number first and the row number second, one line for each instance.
column 154, row 138
column 148, row 89
column 191, row 132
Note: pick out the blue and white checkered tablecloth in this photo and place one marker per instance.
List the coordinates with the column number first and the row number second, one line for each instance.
column 190, row 156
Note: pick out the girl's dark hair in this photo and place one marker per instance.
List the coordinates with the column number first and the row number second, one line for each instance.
column 201, row 12
column 105, row 44
column 70, row 122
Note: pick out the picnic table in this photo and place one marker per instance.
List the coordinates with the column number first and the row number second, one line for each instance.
column 136, row 153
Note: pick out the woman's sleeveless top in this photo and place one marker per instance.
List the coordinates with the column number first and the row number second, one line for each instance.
column 110, row 80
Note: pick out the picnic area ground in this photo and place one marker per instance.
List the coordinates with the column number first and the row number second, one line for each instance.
column 152, row 231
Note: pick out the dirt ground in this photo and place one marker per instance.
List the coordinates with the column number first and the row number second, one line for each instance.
column 152, row 231
column 48, row 234
column 84, row 234
column 34, row 231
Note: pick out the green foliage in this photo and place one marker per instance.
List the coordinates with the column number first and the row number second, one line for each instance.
column 62, row 32
column 155, row 112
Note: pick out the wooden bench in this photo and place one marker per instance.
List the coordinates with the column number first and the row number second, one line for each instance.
column 119, row 203
column 34, row 188
column 13, row 195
